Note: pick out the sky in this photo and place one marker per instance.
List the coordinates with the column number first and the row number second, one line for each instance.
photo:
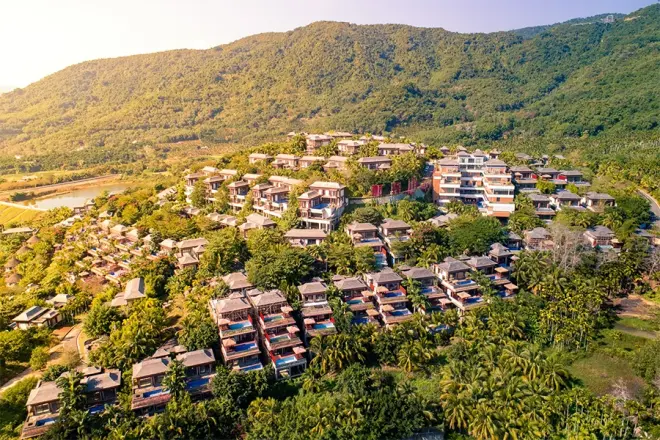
column 40, row 37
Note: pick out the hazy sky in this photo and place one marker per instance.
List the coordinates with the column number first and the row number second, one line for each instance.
column 39, row 37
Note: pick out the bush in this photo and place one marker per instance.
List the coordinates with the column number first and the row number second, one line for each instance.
column 39, row 358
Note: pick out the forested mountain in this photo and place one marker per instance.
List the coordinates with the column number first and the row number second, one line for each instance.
column 568, row 80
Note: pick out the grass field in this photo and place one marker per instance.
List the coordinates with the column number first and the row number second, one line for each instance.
column 11, row 214
column 601, row 373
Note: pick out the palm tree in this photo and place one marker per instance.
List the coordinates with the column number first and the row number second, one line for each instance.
column 175, row 379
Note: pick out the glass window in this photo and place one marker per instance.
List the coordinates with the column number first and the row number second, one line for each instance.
column 42, row 408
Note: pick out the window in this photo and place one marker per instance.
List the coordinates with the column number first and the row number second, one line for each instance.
column 42, row 408
column 144, row 382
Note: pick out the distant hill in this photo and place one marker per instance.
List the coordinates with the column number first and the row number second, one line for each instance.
column 531, row 31
column 448, row 87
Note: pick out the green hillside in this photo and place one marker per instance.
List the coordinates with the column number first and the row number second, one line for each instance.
column 568, row 80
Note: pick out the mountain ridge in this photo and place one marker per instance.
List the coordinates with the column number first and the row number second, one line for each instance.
column 363, row 78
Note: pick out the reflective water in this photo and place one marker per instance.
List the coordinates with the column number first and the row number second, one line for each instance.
column 77, row 197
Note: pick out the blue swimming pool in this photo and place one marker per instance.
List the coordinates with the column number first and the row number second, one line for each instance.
column 47, row 421
column 197, row 383
column 252, row 367
column 464, row 282
column 285, row 360
column 360, row 320
column 96, row 409
column 400, row 312
column 355, row 301
column 279, row 338
column 245, row 346
column 393, row 294
column 240, row 325
column 154, row 393
column 323, row 325
column 272, row 318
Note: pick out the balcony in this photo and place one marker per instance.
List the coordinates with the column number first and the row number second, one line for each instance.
column 275, row 320
column 235, row 328
column 320, row 328
column 282, row 340
column 359, row 304
column 392, row 296
column 232, row 350
column 149, row 397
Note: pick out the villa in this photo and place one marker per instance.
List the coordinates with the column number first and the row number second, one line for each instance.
column 316, row 312
column 429, row 288
column 149, row 394
column 457, row 284
column 43, row 408
column 199, row 367
column 238, row 191
column 237, row 282
column 390, row 296
column 597, row 202
column 542, row 208
column 279, row 333
column 286, row 161
column 322, row 205
column 305, row 237
column 259, row 157
column 538, row 239
column 566, row 199
column 238, row 335
column 37, row 316
column 599, row 236
column 349, row 147
column 377, row 163
column 358, row 297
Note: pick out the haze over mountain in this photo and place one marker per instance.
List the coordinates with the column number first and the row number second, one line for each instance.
column 572, row 79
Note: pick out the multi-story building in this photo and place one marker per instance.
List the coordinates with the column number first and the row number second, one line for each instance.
column 573, row 176
column 273, row 199
column 390, row 296
column 259, row 157
column 316, row 141
column 305, row 237
column 599, row 236
column 250, row 178
column 366, row 235
column 316, row 312
column 307, row 161
column 238, row 335
column 376, row 163
column 279, row 333
column 199, row 367
column 385, row 149
column 256, row 221
column 286, row 161
column 238, row 191
column 393, row 231
column 542, row 208
column 438, row 300
column 322, row 205
column 358, row 297
column 566, row 199
column 348, row 147
column 538, row 239
column 476, row 180
column 43, row 408
column 237, row 282
column 524, row 178
column 338, row 163
column 597, row 202
column 149, row 394
column 455, row 280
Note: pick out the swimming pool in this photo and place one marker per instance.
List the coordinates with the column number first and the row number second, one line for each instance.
column 245, row 346
column 279, row 338
column 272, row 318
column 323, row 325
column 240, row 325
column 251, row 367
column 47, row 421
column 393, row 294
column 400, row 312
column 96, row 409
column 355, row 301
column 285, row 360
column 154, row 393
column 197, row 383
column 360, row 320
